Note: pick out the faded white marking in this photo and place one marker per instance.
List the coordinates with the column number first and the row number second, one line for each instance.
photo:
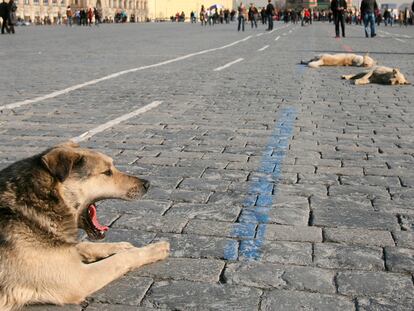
column 263, row 48
column 112, row 123
column 229, row 64
column 277, row 38
column 114, row 75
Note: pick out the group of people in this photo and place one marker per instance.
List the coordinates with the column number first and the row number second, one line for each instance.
column 369, row 14
column 8, row 16
column 267, row 15
column 83, row 17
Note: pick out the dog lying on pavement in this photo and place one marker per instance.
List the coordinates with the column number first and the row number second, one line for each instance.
column 343, row 59
column 380, row 75
column 43, row 201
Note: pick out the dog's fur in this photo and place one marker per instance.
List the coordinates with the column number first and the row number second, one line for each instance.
column 343, row 59
column 380, row 75
column 43, row 201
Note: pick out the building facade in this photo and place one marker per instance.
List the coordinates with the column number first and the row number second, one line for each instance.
column 38, row 10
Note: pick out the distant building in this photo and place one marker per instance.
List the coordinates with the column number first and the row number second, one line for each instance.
column 38, row 10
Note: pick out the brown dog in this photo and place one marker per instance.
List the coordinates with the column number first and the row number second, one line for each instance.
column 43, row 201
column 380, row 75
column 343, row 59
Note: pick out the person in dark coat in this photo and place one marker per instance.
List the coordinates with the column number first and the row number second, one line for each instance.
column 338, row 8
column 270, row 11
column 12, row 15
column 4, row 14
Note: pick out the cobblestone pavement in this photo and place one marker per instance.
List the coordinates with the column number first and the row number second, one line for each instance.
column 278, row 187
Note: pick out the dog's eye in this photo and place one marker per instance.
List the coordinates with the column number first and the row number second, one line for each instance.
column 108, row 173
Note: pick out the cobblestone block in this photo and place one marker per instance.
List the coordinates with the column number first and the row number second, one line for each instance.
column 295, row 300
column 195, row 246
column 382, row 304
column 202, row 270
column 265, row 275
column 291, row 233
column 205, row 211
column 354, row 218
column 284, row 252
column 284, row 216
column 376, row 284
column 204, row 296
column 190, row 196
column 340, row 203
column 202, row 184
column 399, row 259
column 358, row 236
column 404, row 239
column 135, row 237
column 221, row 229
column 381, row 181
column 129, row 290
column 328, row 255
column 152, row 223
column 110, row 307
column 359, row 192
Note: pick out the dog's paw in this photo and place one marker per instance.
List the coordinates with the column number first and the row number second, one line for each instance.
column 157, row 251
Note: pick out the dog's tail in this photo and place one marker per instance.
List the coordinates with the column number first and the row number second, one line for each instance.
column 302, row 62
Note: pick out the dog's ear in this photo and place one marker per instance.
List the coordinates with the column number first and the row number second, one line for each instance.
column 60, row 161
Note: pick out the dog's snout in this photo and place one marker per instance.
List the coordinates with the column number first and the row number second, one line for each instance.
column 146, row 184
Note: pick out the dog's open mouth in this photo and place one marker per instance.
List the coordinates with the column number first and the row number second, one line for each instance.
column 96, row 230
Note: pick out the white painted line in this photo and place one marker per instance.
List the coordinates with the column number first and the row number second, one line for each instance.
column 277, row 38
column 112, row 123
column 263, row 48
column 398, row 39
column 406, row 36
column 272, row 30
column 115, row 75
column 284, row 34
column 229, row 64
column 260, row 34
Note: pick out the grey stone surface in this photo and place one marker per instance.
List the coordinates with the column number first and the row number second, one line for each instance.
column 329, row 255
column 399, row 259
column 404, row 239
column 215, row 151
column 265, row 275
column 295, row 300
column 202, row 270
column 358, row 236
column 195, row 296
column 354, row 218
column 385, row 304
column 292, row 233
column 377, row 284
column 129, row 290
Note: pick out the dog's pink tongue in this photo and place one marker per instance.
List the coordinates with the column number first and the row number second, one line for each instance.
column 92, row 215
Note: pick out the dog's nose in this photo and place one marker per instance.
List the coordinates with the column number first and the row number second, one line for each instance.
column 146, row 184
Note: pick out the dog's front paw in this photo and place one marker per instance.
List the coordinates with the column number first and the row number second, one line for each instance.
column 157, row 251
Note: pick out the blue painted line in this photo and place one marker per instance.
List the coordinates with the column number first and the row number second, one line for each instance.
column 262, row 191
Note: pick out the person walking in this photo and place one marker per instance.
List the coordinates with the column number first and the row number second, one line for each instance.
column 242, row 11
column 338, row 8
column 270, row 11
column 368, row 9
column 12, row 15
column 69, row 15
column 4, row 14
column 253, row 15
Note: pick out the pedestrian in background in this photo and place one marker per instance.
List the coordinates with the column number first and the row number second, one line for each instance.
column 270, row 11
column 242, row 11
column 368, row 9
column 69, row 16
column 12, row 15
column 338, row 8
column 4, row 14
column 253, row 15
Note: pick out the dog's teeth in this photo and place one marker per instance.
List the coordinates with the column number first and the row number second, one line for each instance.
column 102, row 232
